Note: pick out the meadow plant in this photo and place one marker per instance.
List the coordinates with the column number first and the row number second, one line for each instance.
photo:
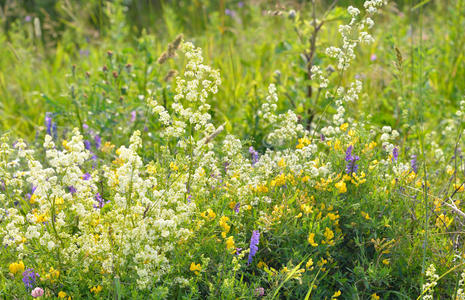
column 186, row 209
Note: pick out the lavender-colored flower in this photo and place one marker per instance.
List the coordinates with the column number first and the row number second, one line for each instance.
column 236, row 207
column 100, row 201
column 373, row 57
column 189, row 198
column 238, row 251
column 86, row 176
column 240, row 4
column 229, row 12
column 27, row 19
column 72, row 189
column 84, row 52
column 254, row 240
column 87, row 144
column 133, row 116
column 98, row 141
column 413, row 163
column 254, row 155
column 259, row 292
column 85, row 126
column 322, row 137
column 351, row 160
column 395, row 154
column 29, row 278
column 54, row 130
column 48, row 122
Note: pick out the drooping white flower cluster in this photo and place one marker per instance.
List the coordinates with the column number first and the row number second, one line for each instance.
column 195, row 85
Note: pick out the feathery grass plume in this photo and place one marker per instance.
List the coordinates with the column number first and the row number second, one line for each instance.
column 170, row 75
column 171, row 52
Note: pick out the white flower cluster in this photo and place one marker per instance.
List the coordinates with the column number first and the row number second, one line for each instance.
column 70, row 221
column 357, row 27
column 460, row 291
column 195, row 85
column 268, row 109
column 286, row 125
column 388, row 135
column 428, row 287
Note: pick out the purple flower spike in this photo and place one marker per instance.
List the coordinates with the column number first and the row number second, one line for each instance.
column 100, row 201
column 87, row 144
column 413, row 163
column 133, row 116
column 395, row 154
column 48, row 122
column 72, row 189
column 254, row 240
column 351, row 160
column 29, row 278
column 254, row 155
column 86, row 176
column 98, row 141
column 236, row 207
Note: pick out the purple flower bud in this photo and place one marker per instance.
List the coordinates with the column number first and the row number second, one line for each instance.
column 100, row 201
column 72, row 189
column 259, row 292
column 413, row 163
column 48, row 122
column 395, row 154
column 133, row 116
column 98, row 141
column 87, row 144
column 254, row 240
column 254, row 155
column 236, row 207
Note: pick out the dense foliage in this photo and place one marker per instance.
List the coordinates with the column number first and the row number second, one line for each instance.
column 312, row 150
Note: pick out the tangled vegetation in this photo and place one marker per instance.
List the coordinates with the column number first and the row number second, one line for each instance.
column 301, row 151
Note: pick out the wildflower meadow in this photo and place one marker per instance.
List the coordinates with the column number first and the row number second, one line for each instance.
column 298, row 149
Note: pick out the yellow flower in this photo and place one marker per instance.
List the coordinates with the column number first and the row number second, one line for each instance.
column 65, row 144
column 52, row 274
column 311, row 241
column 208, row 214
column 329, row 234
column 261, row 264
column 332, row 216
column 365, row 215
column 374, row 297
column 336, row 294
column 341, row 186
column 282, row 163
column 196, row 268
column 107, row 147
column 33, row 198
column 230, row 245
column 62, row 295
column 96, row 289
column 386, row 261
column 173, row 166
column 16, row 267
column 309, row 264
column 459, row 187
column 344, row 126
